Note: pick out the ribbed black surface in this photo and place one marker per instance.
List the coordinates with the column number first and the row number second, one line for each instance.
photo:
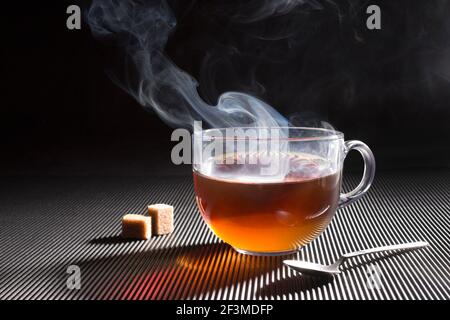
column 48, row 224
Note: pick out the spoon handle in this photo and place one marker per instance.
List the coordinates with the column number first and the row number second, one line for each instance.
column 404, row 246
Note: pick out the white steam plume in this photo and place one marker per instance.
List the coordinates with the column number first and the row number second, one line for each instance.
column 143, row 28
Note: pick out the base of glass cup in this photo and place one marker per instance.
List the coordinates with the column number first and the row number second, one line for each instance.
column 267, row 254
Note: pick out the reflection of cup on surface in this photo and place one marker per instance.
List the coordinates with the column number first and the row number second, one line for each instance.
column 270, row 194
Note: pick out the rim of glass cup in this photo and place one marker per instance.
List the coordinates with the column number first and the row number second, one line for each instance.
column 333, row 134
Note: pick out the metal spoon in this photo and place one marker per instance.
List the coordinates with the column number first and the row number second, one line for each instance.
column 316, row 269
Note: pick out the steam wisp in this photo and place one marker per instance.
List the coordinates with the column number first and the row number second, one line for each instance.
column 143, row 28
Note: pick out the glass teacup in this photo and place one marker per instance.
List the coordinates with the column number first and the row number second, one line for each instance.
column 270, row 191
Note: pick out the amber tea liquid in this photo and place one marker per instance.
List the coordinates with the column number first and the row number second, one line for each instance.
column 269, row 216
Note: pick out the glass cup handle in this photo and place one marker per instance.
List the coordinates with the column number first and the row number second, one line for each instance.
column 369, row 172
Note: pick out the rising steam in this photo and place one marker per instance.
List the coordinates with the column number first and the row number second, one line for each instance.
column 143, row 28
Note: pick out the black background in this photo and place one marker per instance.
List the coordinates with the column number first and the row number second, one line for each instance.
column 61, row 115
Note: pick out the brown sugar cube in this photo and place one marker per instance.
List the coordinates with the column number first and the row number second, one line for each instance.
column 162, row 217
column 136, row 226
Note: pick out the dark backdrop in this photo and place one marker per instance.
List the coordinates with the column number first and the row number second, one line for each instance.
column 61, row 114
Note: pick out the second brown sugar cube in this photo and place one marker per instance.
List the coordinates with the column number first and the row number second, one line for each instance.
column 162, row 218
